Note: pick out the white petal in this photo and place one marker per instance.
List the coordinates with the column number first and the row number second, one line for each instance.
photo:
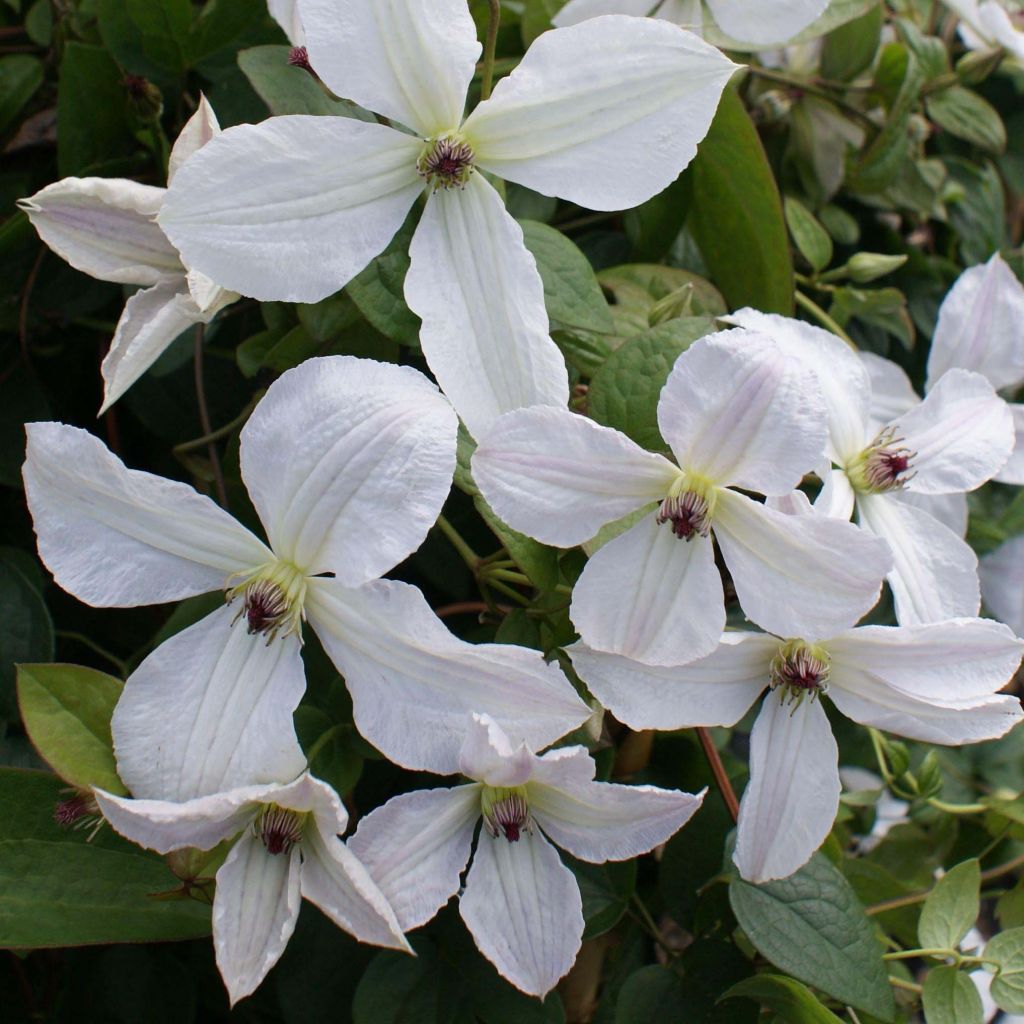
column 737, row 410
column 1002, row 583
column 199, row 129
column 106, row 228
column 995, row 20
column 837, row 497
column 477, row 289
column 605, row 113
column 209, row 710
column 792, row 797
column 798, row 575
column 292, row 208
column 765, row 23
column 650, row 596
column 414, row 685
column 935, row 574
column 348, row 462
column 892, row 394
column 576, row 11
column 286, row 14
column 416, row 847
column 1013, row 471
column 411, row 60
column 208, row 295
column 715, row 690
column 151, row 320
column 490, row 757
column 962, row 433
column 117, row 537
column 523, row 908
column 950, row 509
column 254, row 913
column 559, row 477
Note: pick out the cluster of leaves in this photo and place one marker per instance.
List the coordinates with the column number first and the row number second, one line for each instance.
column 852, row 179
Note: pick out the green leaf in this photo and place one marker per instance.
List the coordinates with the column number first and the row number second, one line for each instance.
column 851, row 48
column 979, row 215
column 536, row 18
column 951, row 908
column 653, row 226
column 220, row 23
column 794, row 1002
column 812, row 926
column 881, row 307
column 606, row 890
column 651, row 995
column 66, row 710
column 1008, row 985
column 26, row 630
column 20, row 77
column 966, row 115
column 810, row 237
column 736, row 217
column 950, row 997
column 147, row 37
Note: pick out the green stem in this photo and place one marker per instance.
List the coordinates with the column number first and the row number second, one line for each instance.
column 120, row 664
column 501, row 588
column 883, row 765
column 220, row 432
column 322, row 741
column 908, row 986
column 912, row 954
column 651, row 926
column 823, row 318
column 468, row 555
column 493, row 24
column 204, row 419
column 814, row 90
column 941, row 805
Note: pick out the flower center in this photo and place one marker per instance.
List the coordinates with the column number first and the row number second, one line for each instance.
column 800, row 670
column 882, row 466
column 506, row 812
column 278, row 828
column 79, row 811
column 272, row 599
column 446, row 162
column 689, row 506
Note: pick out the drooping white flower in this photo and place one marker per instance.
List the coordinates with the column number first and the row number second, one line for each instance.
column 348, row 462
column 766, row 22
column 293, row 208
column 1002, row 583
column 521, row 903
column 287, row 849
column 954, row 441
column 106, row 228
column 936, row 683
column 737, row 413
column 991, row 23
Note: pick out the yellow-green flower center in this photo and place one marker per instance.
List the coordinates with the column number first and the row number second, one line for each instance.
column 506, row 811
column 800, row 671
column 882, row 466
column 446, row 162
column 689, row 506
column 272, row 599
column 278, row 828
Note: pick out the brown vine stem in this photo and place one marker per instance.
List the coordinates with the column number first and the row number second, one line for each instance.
column 204, row 420
column 718, row 770
column 26, row 295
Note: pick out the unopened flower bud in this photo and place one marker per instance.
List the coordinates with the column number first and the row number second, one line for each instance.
column 673, row 306
column 976, row 65
column 868, row 266
column 145, row 98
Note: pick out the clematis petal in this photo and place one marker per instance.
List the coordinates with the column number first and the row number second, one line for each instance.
column 210, row 709
column 560, row 477
column 651, row 596
column 765, row 23
column 199, row 129
column 411, row 60
column 792, row 797
column 576, row 11
column 286, row 14
column 737, row 410
column 414, row 685
column 605, row 113
column 292, row 208
column 997, row 25
column 950, row 509
column 476, row 287
column 1013, row 471
column 490, row 757
column 935, row 573
column 522, row 906
column 718, row 689
column 416, row 847
column 106, row 228
column 892, row 394
column 805, row 576
column 254, row 913
column 348, row 462
column 837, row 498
column 1002, row 583
column 117, row 537
column 962, row 434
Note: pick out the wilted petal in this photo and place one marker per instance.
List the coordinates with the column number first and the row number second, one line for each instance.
column 490, row 757
column 348, row 462
column 792, row 797
column 117, row 537
column 767, row 22
column 1002, row 583
column 199, row 129
column 605, row 113
column 1013, row 471
column 292, row 208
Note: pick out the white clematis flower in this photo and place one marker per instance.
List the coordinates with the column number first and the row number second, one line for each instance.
column 954, row 441
column 287, row 849
column 991, row 23
column 521, row 903
column 106, row 228
column 766, row 22
column 348, row 462
column 293, row 208
column 936, row 683
column 737, row 413
column 1002, row 583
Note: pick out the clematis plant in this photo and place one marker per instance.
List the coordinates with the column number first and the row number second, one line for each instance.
column 954, row 441
column 937, row 683
column 738, row 414
column 286, row 848
column 348, row 462
column 105, row 227
column 991, row 23
column 521, row 903
column 296, row 206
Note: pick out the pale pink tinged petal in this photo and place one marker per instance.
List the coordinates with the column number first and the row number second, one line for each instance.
column 416, row 847
column 491, row 757
column 935, row 573
column 286, row 14
column 576, row 11
column 1002, row 583
column 792, row 797
column 117, row 537
column 805, row 576
column 737, row 410
column 1013, row 471
column 348, row 462
column 996, row 22
column 962, row 434
column 796, row 503
column 950, row 509
column 292, row 208
column 892, row 394
column 254, row 913
column 309, row 794
column 837, row 497
column 209, row 710
column 522, row 906
column 765, row 23
column 715, row 690
column 199, row 129
column 559, row 477
column 651, row 596
column 106, row 228
column 843, row 379
column 414, row 685
column 605, row 113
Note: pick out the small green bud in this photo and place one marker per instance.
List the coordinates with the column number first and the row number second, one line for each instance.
column 897, row 755
column 672, row 306
column 976, row 65
column 868, row 266
column 929, row 776
column 145, row 98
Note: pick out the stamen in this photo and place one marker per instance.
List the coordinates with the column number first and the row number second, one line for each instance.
column 506, row 812
column 800, row 670
column 298, row 57
column 882, row 466
column 79, row 811
column 273, row 598
column 689, row 507
column 446, row 162
column 278, row 828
